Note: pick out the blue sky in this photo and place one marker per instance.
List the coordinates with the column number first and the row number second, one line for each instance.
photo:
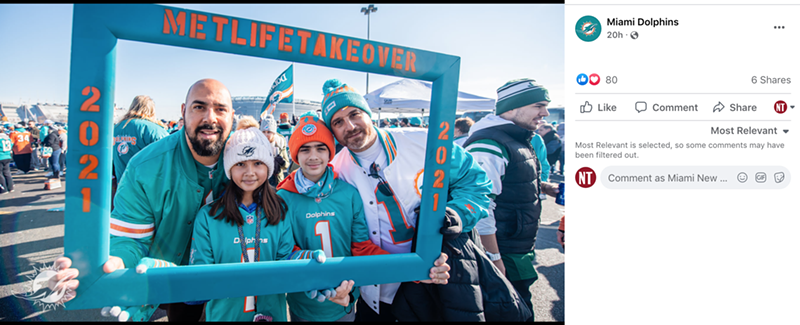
column 496, row 43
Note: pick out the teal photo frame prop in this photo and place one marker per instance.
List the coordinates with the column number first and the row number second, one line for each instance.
column 95, row 31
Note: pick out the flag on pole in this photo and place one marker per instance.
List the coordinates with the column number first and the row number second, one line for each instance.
column 282, row 91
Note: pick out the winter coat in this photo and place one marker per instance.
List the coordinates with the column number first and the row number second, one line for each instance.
column 477, row 291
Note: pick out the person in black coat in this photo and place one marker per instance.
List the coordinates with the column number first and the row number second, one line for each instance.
column 53, row 140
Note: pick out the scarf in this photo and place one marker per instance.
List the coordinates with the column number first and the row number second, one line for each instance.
column 318, row 190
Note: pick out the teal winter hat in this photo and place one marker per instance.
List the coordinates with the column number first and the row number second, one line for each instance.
column 339, row 95
column 415, row 121
column 517, row 93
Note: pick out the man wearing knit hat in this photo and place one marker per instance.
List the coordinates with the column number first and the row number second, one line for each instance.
column 501, row 143
column 163, row 188
column 269, row 127
column 387, row 167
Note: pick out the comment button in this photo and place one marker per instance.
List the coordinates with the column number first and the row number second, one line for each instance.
column 695, row 177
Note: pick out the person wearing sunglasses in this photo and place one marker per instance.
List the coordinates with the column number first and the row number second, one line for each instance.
column 386, row 167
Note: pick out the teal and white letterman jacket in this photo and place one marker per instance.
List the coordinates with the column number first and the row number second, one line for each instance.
column 217, row 242
column 392, row 220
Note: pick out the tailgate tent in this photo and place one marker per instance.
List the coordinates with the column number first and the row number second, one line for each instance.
column 410, row 96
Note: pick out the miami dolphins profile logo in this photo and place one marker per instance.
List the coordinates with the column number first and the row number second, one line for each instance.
column 588, row 28
column 248, row 151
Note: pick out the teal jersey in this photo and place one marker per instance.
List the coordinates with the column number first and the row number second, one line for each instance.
column 541, row 154
column 335, row 225
column 204, row 179
column 217, row 242
column 43, row 132
column 131, row 138
column 5, row 147
column 285, row 129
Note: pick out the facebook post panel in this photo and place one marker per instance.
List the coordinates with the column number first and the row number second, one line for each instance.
column 682, row 149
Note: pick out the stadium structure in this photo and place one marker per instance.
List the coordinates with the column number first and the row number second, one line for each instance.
column 41, row 112
column 251, row 105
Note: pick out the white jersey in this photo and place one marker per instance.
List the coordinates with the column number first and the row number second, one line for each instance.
column 387, row 220
column 391, row 220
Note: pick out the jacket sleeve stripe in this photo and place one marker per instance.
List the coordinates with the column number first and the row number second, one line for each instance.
column 125, row 229
column 474, row 150
column 129, row 225
column 134, row 235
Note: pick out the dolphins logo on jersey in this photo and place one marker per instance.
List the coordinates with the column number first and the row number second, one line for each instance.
column 470, row 208
column 122, row 148
column 418, row 182
column 248, row 151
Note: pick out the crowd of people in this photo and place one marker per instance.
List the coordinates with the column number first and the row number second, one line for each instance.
column 332, row 183
column 30, row 147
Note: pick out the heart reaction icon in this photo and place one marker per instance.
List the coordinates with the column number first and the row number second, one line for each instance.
column 594, row 79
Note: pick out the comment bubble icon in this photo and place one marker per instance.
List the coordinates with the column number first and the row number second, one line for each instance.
column 641, row 106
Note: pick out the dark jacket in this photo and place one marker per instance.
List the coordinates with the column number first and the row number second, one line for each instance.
column 554, row 146
column 35, row 141
column 518, row 207
column 52, row 140
column 476, row 290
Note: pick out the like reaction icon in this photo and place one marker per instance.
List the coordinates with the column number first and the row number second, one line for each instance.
column 586, row 108
column 582, row 79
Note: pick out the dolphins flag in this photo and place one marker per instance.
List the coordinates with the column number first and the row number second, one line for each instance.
column 282, row 91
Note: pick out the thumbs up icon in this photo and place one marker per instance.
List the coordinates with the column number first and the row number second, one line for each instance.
column 586, row 108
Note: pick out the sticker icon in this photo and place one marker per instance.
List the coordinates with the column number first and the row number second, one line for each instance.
column 594, row 79
column 588, row 28
column 582, row 79
column 779, row 177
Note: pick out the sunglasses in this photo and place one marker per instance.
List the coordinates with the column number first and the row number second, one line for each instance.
column 383, row 186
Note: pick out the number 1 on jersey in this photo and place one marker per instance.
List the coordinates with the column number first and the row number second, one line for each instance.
column 323, row 229
column 401, row 231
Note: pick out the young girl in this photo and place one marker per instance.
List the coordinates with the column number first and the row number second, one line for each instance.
column 251, row 211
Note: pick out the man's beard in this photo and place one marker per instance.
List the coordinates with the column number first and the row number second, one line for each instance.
column 206, row 148
column 352, row 143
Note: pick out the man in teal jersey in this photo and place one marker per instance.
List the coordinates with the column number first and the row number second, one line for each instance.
column 154, row 219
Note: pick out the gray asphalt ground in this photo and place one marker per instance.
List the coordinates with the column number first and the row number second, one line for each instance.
column 30, row 236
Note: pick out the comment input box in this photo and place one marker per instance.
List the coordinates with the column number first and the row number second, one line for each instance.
column 695, row 177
